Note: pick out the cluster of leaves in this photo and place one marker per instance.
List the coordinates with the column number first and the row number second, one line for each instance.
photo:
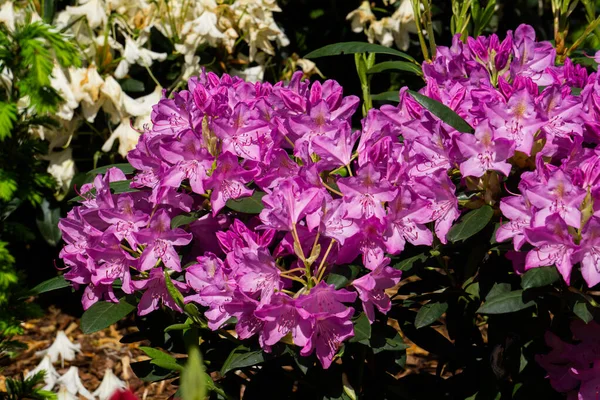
column 21, row 389
column 27, row 57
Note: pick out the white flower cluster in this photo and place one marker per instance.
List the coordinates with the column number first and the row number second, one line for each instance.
column 69, row 385
column 115, row 34
column 387, row 31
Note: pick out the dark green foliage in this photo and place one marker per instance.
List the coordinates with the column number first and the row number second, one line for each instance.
column 21, row 389
column 28, row 55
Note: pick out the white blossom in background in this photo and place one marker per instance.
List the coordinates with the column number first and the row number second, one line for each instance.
column 61, row 167
column 109, row 385
column 7, row 15
column 61, row 348
column 134, row 53
column 360, row 17
column 388, row 31
column 72, row 383
column 64, row 394
column 50, row 377
column 114, row 35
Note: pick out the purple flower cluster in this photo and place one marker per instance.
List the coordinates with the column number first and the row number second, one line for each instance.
column 574, row 368
column 333, row 196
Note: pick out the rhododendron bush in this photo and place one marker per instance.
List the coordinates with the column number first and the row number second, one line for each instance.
column 302, row 254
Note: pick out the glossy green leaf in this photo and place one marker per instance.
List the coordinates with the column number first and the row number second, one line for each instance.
column 173, row 291
column 148, row 372
column 505, row 303
column 47, row 222
column 248, row 205
column 581, row 310
column 430, row 313
column 538, row 277
column 471, row 224
column 342, row 275
column 386, row 338
column 407, row 264
column 132, row 85
column 362, row 329
column 103, row 314
column 58, row 282
column 193, row 377
column 185, row 219
column 162, row 359
column 387, row 96
column 125, row 167
column 395, row 66
column 337, row 49
column 241, row 357
column 443, row 112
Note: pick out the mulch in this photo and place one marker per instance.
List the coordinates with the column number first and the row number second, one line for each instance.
column 103, row 349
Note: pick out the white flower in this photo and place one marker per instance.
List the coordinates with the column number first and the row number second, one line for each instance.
column 252, row 74
column 382, row 31
column 112, row 95
column 93, row 10
column 309, row 68
column 7, row 15
column 64, row 394
column 135, row 54
column 62, row 347
column 126, row 135
column 85, row 85
column 70, row 380
column 110, row 383
column 62, row 169
column 360, row 17
column 406, row 16
column 59, row 81
column 142, row 105
column 51, row 375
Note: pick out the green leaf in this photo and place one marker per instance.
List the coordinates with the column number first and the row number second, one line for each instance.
column 362, row 329
column 538, row 277
column 162, row 359
column 103, row 314
column 148, row 372
column 48, row 9
column 248, row 205
column 505, row 303
column 193, row 377
column 443, row 112
column 173, row 291
column 395, row 66
column 179, row 327
column 471, row 224
column 240, row 357
column 58, row 282
column 355, row 47
column 125, row 167
column 498, row 289
column 581, row 310
column 386, row 338
column 430, row 313
column 387, row 96
column 185, row 219
column 407, row 264
column 132, row 85
column 342, row 275
column 8, row 117
column 47, row 222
